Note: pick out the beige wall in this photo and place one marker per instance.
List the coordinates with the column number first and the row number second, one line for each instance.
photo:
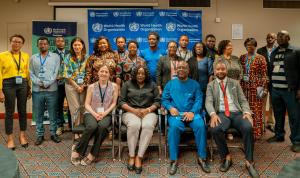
column 257, row 22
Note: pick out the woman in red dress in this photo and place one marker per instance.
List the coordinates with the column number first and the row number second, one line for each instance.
column 254, row 83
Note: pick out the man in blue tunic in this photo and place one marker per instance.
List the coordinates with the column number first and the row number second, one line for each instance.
column 182, row 97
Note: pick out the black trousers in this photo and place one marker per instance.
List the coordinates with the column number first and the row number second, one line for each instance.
column 242, row 125
column 61, row 94
column 98, row 129
column 12, row 91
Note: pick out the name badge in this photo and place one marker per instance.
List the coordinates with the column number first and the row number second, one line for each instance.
column 276, row 68
column 41, row 74
column 246, row 78
column 19, row 80
column 100, row 109
column 80, row 81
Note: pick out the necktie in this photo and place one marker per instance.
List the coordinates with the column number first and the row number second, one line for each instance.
column 227, row 112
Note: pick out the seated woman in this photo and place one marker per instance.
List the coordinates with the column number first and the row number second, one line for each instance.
column 100, row 100
column 139, row 99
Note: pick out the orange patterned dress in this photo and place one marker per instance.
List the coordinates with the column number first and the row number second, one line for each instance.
column 256, row 70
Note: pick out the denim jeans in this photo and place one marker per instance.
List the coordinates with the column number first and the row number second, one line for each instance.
column 39, row 99
column 282, row 100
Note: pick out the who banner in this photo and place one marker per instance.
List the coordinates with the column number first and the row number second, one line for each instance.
column 52, row 29
column 136, row 24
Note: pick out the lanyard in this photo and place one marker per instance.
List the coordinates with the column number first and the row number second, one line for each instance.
column 102, row 96
column 248, row 63
column 17, row 64
column 79, row 63
column 174, row 63
column 184, row 55
column 43, row 62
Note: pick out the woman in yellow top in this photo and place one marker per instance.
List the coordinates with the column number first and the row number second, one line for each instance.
column 14, row 78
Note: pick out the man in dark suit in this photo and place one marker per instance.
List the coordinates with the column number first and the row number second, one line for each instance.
column 228, row 107
column 284, row 75
column 266, row 52
column 62, row 52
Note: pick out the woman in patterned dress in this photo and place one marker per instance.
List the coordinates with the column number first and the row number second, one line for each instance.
column 103, row 54
column 254, row 79
column 126, row 66
column 232, row 62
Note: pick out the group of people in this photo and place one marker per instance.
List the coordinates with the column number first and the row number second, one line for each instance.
column 193, row 86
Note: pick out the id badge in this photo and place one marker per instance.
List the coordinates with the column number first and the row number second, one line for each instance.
column 246, row 78
column 100, row 109
column 19, row 80
column 41, row 75
column 276, row 68
column 80, row 81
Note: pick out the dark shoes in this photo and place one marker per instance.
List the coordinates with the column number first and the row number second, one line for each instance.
column 252, row 171
column 138, row 170
column 173, row 167
column 275, row 139
column 39, row 140
column 204, row 165
column 225, row 165
column 271, row 128
column 296, row 148
column 55, row 138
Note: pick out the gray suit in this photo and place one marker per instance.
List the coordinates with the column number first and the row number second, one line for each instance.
column 235, row 120
column 212, row 102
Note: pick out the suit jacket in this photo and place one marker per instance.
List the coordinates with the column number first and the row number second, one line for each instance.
column 163, row 70
column 212, row 102
column 291, row 66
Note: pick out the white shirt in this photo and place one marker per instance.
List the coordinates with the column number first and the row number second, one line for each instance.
column 232, row 107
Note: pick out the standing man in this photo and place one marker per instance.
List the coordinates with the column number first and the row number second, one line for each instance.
column 183, row 50
column 210, row 42
column 228, row 107
column 266, row 51
column 121, row 45
column 61, row 93
column 182, row 97
column 152, row 54
column 284, row 74
column 43, row 72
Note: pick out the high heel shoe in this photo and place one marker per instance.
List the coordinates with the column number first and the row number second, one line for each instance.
column 138, row 170
column 23, row 140
column 10, row 142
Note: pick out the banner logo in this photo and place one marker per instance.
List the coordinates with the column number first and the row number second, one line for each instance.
column 185, row 14
column 92, row 14
column 162, row 13
column 134, row 27
column 171, row 26
column 97, row 27
column 48, row 30
column 115, row 14
column 139, row 13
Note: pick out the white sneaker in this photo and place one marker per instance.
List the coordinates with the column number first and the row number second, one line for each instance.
column 59, row 131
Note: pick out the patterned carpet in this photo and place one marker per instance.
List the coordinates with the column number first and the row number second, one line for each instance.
column 53, row 160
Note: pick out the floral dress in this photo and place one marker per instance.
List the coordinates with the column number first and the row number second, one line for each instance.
column 125, row 67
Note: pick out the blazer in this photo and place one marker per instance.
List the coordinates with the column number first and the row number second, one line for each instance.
column 291, row 67
column 163, row 70
column 212, row 101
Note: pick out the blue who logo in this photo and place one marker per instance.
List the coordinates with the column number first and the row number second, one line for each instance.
column 48, row 30
column 92, row 14
column 171, row 27
column 115, row 14
column 97, row 27
column 134, row 27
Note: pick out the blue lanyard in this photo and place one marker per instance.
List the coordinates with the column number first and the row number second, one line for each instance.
column 248, row 63
column 43, row 62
